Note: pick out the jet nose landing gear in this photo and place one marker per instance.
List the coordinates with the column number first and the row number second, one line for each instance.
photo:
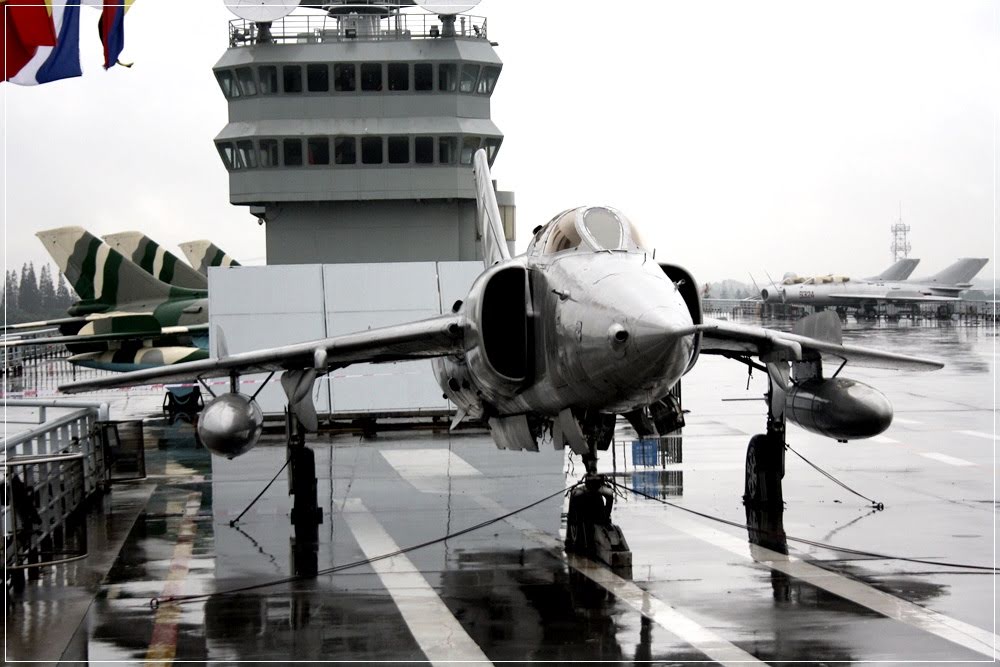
column 589, row 531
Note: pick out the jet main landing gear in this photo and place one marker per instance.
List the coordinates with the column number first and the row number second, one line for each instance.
column 589, row 531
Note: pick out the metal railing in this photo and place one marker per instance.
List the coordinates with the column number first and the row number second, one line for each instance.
column 49, row 472
column 317, row 29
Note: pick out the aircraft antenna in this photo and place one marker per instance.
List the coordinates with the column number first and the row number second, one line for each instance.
column 900, row 243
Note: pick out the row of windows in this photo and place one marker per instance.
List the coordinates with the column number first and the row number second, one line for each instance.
column 346, row 150
column 353, row 77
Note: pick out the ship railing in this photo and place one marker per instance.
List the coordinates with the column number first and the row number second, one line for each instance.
column 50, row 471
column 318, row 29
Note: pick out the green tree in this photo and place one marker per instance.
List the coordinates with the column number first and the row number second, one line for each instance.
column 28, row 300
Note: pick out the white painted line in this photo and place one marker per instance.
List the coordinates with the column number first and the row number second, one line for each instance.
column 428, row 469
column 650, row 606
column 440, row 636
column 902, row 420
column 979, row 434
column 944, row 458
column 973, row 638
column 884, row 439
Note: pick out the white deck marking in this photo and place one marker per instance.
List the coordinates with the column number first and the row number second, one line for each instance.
column 650, row 606
column 890, row 606
column 440, row 636
column 428, row 469
column 979, row 434
column 903, row 420
column 884, row 439
column 944, row 458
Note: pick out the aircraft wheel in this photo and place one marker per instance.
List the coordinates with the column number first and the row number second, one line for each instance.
column 762, row 473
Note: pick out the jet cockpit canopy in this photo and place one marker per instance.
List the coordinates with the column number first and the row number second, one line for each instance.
column 587, row 229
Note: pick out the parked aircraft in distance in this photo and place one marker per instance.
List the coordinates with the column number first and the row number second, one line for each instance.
column 125, row 319
column 841, row 292
column 204, row 254
column 900, row 270
column 552, row 345
column 155, row 260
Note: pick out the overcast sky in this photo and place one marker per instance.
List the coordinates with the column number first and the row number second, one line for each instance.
column 741, row 136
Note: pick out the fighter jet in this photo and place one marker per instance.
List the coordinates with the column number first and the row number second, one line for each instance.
column 900, row 270
column 126, row 319
column 204, row 254
column 841, row 292
column 552, row 345
column 156, row 261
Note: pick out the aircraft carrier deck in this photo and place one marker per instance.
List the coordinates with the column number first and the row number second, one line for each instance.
column 699, row 590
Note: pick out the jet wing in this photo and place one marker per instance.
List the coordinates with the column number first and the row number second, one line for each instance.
column 892, row 297
column 729, row 339
column 435, row 337
column 105, row 337
column 45, row 324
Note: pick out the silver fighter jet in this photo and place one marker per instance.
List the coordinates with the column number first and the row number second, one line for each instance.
column 552, row 345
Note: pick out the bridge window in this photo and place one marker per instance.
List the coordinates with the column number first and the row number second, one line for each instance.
column 247, row 84
column 319, row 150
column 247, row 155
column 344, row 75
column 399, row 150
column 345, row 150
column 488, row 80
column 227, row 83
column 470, row 74
column 292, row 78
column 492, row 145
column 268, row 75
column 226, row 153
column 423, row 76
column 423, row 150
column 318, row 78
column 371, row 150
column 371, row 77
column 447, row 77
column 399, row 76
column 268, row 152
column 447, row 148
column 469, row 147
column 292, row 152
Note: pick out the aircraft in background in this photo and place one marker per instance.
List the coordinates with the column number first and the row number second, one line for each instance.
column 551, row 346
column 204, row 254
column 900, row 270
column 155, row 260
column 125, row 319
column 840, row 292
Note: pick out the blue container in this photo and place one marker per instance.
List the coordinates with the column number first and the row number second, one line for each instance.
column 645, row 452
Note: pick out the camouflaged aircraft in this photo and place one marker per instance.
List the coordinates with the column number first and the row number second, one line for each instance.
column 156, row 261
column 551, row 347
column 204, row 254
column 126, row 319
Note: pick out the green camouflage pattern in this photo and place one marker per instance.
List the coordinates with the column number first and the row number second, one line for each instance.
column 204, row 254
column 155, row 260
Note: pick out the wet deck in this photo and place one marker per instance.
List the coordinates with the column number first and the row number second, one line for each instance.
column 699, row 589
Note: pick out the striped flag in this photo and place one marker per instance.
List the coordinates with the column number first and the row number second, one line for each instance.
column 27, row 26
column 61, row 61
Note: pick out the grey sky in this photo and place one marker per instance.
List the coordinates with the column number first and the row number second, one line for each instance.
column 741, row 136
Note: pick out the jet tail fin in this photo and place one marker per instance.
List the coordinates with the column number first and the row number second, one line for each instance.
column 155, row 260
column 488, row 213
column 900, row 270
column 961, row 272
column 204, row 254
column 97, row 271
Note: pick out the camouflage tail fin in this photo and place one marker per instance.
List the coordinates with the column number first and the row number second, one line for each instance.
column 204, row 254
column 97, row 271
column 156, row 261
column 959, row 273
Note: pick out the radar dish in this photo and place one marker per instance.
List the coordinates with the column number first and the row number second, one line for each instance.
column 446, row 7
column 261, row 11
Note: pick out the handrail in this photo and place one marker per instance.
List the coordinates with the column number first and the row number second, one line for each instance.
column 35, row 460
column 41, row 430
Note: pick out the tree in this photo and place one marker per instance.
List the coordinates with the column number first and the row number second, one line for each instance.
column 64, row 295
column 46, row 291
column 10, row 294
column 28, row 301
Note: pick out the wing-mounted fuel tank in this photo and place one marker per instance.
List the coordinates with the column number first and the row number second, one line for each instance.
column 230, row 425
column 692, row 299
column 500, row 348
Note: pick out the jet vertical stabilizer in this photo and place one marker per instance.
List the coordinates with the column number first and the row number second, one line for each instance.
column 900, row 270
column 204, row 254
column 958, row 274
column 100, row 274
column 156, row 261
column 488, row 214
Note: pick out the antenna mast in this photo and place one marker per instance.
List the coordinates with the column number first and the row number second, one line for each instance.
column 900, row 244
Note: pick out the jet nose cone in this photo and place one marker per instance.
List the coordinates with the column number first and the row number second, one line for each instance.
column 656, row 332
